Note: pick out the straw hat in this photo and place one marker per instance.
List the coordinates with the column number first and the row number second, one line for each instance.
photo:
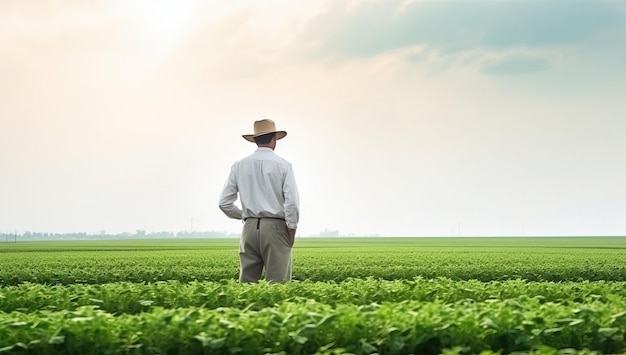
column 264, row 127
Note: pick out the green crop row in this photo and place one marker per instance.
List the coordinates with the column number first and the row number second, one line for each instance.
column 380, row 258
column 125, row 297
column 311, row 327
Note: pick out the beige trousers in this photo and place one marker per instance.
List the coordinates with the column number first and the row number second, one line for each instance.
column 264, row 243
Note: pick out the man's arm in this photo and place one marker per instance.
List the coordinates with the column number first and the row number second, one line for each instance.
column 292, row 236
column 292, row 201
column 229, row 196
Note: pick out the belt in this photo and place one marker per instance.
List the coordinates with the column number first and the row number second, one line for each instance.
column 258, row 220
column 247, row 218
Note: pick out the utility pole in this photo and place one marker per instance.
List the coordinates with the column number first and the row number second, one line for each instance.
column 191, row 226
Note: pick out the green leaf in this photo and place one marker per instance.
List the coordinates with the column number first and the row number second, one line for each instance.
column 608, row 332
column 553, row 330
column 57, row 340
column 299, row 339
column 366, row 347
column 618, row 317
column 7, row 349
column 82, row 319
column 217, row 343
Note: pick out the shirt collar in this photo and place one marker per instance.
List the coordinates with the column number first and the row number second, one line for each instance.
column 264, row 149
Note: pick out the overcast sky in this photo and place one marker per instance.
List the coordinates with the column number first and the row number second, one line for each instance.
column 404, row 118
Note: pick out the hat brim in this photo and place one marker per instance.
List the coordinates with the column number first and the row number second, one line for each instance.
column 250, row 137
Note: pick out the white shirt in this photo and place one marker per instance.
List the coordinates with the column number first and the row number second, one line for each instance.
column 266, row 186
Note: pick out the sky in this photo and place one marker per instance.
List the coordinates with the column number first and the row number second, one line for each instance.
column 404, row 118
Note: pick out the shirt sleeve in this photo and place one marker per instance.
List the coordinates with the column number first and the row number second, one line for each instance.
column 229, row 196
column 292, row 200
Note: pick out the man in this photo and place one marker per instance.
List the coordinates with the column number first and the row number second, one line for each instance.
column 269, row 207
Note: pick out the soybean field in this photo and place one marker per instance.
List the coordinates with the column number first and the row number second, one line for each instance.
column 513, row 295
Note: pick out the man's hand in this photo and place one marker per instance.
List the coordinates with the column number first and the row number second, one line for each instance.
column 292, row 236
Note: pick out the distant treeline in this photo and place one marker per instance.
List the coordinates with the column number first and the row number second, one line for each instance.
column 139, row 234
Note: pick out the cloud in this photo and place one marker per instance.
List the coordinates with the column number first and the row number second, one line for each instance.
column 516, row 66
column 371, row 28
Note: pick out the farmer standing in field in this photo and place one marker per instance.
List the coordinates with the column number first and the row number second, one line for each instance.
column 269, row 207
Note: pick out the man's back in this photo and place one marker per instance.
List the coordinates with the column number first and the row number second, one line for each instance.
column 266, row 186
column 261, row 177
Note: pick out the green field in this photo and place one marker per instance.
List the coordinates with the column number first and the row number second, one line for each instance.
column 349, row 295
